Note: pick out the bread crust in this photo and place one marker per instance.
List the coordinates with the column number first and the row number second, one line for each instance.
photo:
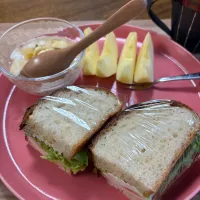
column 172, row 103
column 84, row 140
column 27, row 114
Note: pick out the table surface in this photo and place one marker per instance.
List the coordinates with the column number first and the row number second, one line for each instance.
column 5, row 194
column 71, row 10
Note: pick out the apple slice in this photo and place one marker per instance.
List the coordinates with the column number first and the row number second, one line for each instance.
column 107, row 62
column 127, row 61
column 144, row 71
column 91, row 56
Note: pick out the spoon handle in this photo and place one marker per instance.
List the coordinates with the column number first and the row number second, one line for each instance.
column 181, row 77
column 129, row 11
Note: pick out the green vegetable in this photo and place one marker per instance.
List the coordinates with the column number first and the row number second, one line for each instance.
column 78, row 163
column 183, row 163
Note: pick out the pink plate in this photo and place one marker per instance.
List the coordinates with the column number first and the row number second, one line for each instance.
column 30, row 177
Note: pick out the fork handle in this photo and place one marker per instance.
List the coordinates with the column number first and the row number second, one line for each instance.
column 181, row 77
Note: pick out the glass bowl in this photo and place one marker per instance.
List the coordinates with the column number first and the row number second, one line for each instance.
column 24, row 31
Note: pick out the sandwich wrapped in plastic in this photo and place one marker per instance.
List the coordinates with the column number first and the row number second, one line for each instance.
column 147, row 147
column 60, row 125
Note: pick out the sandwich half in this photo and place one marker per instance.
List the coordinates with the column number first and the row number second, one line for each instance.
column 60, row 125
column 146, row 147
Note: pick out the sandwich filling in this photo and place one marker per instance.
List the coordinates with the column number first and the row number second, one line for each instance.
column 127, row 189
column 185, row 161
column 77, row 163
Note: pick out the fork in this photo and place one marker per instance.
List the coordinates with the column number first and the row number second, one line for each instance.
column 143, row 86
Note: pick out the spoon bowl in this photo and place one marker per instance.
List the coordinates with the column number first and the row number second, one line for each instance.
column 55, row 59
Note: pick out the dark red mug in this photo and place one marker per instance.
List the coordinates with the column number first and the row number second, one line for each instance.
column 185, row 23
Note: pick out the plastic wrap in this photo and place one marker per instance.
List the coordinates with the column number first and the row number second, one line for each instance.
column 149, row 145
column 189, row 154
column 62, row 123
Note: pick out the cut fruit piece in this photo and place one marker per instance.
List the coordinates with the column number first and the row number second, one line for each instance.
column 144, row 71
column 107, row 62
column 91, row 56
column 127, row 61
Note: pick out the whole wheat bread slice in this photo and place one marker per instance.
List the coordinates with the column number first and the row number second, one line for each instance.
column 142, row 144
column 69, row 117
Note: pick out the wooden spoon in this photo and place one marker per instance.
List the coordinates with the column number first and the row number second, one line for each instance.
column 52, row 62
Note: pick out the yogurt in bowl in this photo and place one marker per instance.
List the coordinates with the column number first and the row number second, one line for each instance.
column 34, row 47
column 28, row 39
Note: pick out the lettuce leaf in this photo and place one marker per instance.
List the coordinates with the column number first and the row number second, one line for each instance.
column 78, row 162
column 184, row 162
